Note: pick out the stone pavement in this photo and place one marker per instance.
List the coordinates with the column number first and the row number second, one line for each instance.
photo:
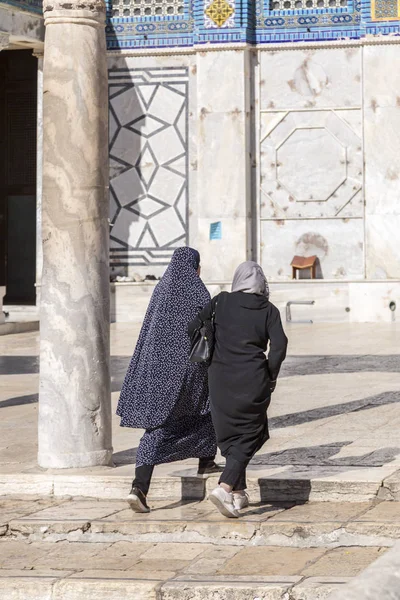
column 335, row 421
column 322, row 489
column 70, row 548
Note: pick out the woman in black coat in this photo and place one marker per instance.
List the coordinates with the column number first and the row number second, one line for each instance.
column 241, row 378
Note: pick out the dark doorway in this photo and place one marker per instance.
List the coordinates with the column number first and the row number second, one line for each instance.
column 18, row 117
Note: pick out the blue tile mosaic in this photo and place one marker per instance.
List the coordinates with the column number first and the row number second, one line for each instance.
column 253, row 21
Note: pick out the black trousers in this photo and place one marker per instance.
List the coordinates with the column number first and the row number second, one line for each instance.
column 234, row 474
column 144, row 474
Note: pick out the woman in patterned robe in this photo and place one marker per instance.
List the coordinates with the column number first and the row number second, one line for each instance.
column 163, row 393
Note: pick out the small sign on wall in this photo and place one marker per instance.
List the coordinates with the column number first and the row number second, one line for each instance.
column 216, row 231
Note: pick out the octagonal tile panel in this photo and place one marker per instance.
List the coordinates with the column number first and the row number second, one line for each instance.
column 311, row 164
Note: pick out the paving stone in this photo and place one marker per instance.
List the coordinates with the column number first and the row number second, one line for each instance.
column 386, row 512
column 17, row 554
column 318, row 588
column 152, row 565
column 322, row 512
column 73, row 555
column 120, row 556
column 271, row 560
column 211, row 561
column 176, row 551
column 166, row 511
column 343, row 562
column 12, row 508
column 78, row 509
column 380, row 580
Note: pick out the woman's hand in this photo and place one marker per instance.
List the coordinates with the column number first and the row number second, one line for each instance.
column 273, row 385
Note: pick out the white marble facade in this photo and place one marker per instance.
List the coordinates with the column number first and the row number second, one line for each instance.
column 295, row 153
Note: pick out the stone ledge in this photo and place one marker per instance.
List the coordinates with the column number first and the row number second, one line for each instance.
column 311, row 525
column 105, row 586
column 18, row 327
column 360, row 485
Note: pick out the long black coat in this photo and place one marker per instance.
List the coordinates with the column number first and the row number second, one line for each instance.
column 240, row 374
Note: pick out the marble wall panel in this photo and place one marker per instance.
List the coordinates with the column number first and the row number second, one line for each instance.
column 382, row 246
column 310, row 78
column 382, row 160
column 339, row 246
column 223, row 137
column 370, row 301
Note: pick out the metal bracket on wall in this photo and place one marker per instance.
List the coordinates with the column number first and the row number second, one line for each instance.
column 289, row 312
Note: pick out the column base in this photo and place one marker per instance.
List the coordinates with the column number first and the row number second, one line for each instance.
column 100, row 458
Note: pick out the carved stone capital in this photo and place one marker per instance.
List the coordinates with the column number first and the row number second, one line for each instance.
column 4, row 40
column 64, row 11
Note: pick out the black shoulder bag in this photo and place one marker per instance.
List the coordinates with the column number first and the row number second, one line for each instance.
column 203, row 341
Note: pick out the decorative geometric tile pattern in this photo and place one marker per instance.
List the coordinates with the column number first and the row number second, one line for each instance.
column 147, row 8
column 385, row 10
column 219, row 13
column 342, row 13
column 148, row 164
column 253, row 22
column 306, row 4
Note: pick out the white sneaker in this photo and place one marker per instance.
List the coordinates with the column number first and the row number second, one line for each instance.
column 224, row 502
column 240, row 501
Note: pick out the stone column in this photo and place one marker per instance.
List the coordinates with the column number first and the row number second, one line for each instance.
column 4, row 41
column 39, row 176
column 74, row 409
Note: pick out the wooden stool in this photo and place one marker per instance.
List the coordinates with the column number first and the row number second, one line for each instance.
column 299, row 263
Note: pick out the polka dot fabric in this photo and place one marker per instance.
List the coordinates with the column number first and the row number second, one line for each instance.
column 163, row 392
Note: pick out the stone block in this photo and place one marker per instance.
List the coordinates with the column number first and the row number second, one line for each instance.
column 268, row 560
column 343, row 562
column 379, row 580
column 176, row 551
column 265, row 588
column 391, row 487
column 317, row 588
column 107, row 588
column 21, row 588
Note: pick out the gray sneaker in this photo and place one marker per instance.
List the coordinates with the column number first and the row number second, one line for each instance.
column 224, row 502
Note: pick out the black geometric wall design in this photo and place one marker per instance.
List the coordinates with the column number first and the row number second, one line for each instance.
column 148, row 164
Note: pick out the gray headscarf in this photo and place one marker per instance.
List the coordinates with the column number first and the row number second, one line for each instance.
column 249, row 278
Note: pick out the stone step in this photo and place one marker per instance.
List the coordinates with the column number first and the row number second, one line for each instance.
column 296, row 484
column 74, row 548
column 120, row 585
column 168, row 571
column 311, row 525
